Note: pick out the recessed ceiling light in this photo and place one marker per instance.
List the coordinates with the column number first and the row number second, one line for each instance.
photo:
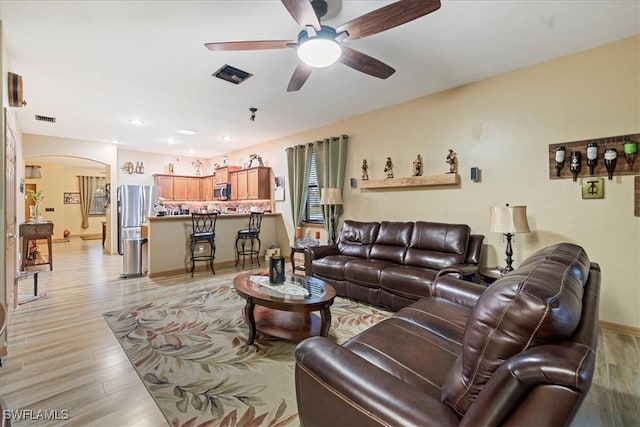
column 171, row 141
column 136, row 122
column 226, row 138
column 187, row 131
column 114, row 141
column 190, row 151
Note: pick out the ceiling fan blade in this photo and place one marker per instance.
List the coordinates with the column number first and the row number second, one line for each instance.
column 303, row 13
column 250, row 45
column 299, row 77
column 365, row 63
column 388, row 17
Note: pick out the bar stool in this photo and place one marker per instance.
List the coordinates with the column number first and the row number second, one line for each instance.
column 204, row 231
column 251, row 234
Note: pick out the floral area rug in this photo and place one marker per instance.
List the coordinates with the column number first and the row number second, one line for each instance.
column 192, row 355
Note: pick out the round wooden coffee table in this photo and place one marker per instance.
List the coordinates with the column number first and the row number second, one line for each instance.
column 285, row 315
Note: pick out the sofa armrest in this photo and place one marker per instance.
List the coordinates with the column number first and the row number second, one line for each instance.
column 461, row 271
column 317, row 252
column 336, row 387
column 567, row 369
column 457, row 290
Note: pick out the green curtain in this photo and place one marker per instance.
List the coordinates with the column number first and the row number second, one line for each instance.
column 88, row 185
column 298, row 161
column 331, row 161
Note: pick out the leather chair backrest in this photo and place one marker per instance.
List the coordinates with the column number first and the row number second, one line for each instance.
column 475, row 249
column 357, row 238
column 392, row 241
column 437, row 245
column 539, row 303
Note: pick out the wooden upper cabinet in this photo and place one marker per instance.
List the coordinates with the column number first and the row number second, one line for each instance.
column 259, row 183
column 165, row 186
column 251, row 184
column 193, row 189
column 223, row 174
column 206, row 188
column 181, row 188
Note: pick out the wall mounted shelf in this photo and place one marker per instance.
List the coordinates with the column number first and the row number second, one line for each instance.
column 412, row 181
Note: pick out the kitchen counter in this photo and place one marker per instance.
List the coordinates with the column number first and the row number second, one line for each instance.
column 168, row 241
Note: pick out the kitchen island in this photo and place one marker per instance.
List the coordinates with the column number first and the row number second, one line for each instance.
column 168, row 241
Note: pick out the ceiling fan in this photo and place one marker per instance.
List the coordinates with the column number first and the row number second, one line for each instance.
column 319, row 45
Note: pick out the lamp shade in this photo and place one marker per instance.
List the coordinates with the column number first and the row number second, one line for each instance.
column 509, row 219
column 330, row 196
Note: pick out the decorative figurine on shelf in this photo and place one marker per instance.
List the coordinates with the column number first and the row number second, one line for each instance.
column 592, row 156
column 630, row 153
column 417, row 166
column 610, row 160
column 388, row 168
column 452, row 161
column 365, row 170
column 560, row 152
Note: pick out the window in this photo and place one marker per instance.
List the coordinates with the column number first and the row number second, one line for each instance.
column 98, row 205
column 313, row 209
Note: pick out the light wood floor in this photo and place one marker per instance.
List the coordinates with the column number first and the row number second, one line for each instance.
column 63, row 356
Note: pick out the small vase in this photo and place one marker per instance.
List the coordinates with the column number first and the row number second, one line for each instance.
column 32, row 213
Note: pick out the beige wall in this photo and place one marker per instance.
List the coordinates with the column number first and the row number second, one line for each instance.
column 57, row 180
column 504, row 126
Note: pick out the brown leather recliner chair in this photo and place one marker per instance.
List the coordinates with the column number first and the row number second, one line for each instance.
column 521, row 352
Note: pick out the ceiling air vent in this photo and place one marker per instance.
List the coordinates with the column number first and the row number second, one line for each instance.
column 45, row 118
column 232, row 74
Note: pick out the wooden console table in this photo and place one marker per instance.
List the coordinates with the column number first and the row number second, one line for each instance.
column 30, row 231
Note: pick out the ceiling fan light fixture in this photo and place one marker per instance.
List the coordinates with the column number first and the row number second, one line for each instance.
column 320, row 50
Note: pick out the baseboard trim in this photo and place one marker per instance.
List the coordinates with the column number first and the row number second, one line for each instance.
column 617, row 327
column 202, row 267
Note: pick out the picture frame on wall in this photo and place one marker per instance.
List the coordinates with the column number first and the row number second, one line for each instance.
column 71, row 198
column 279, row 188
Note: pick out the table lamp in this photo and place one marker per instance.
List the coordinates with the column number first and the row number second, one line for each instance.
column 331, row 197
column 508, row 220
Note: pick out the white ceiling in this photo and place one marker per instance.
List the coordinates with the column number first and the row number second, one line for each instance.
column 93, row 65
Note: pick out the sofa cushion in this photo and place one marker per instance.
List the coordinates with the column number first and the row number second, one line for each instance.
column 331, row 266
column 366, row 272
column 407, row 351
column 407, row 281
column 437, row 245
column 392, row 241
column 537, row 304
column 356, row 238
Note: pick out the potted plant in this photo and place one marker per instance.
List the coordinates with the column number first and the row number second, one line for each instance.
column 37, row 197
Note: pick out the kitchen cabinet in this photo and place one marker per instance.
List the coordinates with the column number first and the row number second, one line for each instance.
column 165, row 186
column 251, row 184
column 206, row 188
column 223, row 174
column 180, row 188
column 193, row 189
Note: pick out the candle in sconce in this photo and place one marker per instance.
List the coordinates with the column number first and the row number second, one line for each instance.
column 317, row 235
column 298, row 232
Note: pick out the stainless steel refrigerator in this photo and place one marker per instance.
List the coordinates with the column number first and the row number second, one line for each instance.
column 135, row 204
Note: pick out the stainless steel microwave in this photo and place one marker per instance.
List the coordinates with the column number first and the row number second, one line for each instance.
column 222, row 192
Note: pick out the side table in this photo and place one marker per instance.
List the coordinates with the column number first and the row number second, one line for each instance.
column 489, row 275
column 33, row 231
column 296, row 250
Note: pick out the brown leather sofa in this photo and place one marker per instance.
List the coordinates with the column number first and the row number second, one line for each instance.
column 393, row 264
column 520, row 352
